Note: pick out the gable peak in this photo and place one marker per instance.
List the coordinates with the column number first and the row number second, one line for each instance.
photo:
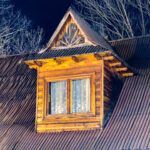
column 69, row 33
column 74, row 31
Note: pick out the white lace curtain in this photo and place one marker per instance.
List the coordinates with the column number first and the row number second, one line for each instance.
column 80, row 96
column 59, row 97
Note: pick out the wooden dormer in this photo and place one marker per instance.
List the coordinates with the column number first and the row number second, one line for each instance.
column 73, row 31
column 76, row 74
column 68, row 34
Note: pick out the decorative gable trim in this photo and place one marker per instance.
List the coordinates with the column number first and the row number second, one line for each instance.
column 87, row 34
column 68, row 34
column 71, row 37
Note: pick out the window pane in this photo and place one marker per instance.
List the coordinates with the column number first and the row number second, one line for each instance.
column 58, row 97
column 81, row 95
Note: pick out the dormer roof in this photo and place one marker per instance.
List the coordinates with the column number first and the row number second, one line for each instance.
column 74, row 31
column 74, row 37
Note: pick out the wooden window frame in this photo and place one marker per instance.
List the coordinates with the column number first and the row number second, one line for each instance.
column 69, row 78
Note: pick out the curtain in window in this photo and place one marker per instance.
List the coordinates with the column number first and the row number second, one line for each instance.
column 81, row 95
column 58, row 94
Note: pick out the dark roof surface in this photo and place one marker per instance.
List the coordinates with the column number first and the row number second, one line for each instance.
column 128, row 127
column 67, row 52
column 135, row 51
column 74, row 51
column 17, row 91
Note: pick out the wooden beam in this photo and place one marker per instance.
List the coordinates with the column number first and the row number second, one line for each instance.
column 33, row 67
column 38, row 63
column 97, row 56
column 127, row 74
column 30, row 64
column 58, row 61
column 121, row 69
column 77, row 58
column 115, row 64
column 102, row 54
column 108, row 58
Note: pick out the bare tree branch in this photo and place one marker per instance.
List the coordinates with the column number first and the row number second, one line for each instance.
column 16, row 33
column 117, row 18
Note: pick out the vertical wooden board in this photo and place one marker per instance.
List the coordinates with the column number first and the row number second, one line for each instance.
column 36, row 114
column 102, row 93
column 45, row 98
column 69, row 96
column 97, row 92
column 40, row 97
column 108, row 89
column 112, row 87
column 93, row 93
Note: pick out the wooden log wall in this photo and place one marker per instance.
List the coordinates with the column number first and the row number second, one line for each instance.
column 112, row 88
column 68, row 122
column 107, row 86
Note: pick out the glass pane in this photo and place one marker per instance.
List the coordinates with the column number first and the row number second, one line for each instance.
column 81, row 95
column 58, row 97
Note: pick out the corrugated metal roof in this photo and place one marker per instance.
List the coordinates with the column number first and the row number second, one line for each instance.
column 128, row 128
column 73, row 52
column 135, row 51
column 17, row 91
column 67, row 52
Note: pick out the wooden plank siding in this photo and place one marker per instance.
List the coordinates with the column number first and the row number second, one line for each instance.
column 107, row 88
column 112, row 88
column 70, row 122
column 104, row 81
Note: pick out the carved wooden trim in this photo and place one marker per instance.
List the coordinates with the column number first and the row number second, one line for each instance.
column 71, row 37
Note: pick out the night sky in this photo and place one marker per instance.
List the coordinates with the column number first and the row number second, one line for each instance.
column 45, row 13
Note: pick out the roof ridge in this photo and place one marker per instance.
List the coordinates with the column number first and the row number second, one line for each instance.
column 135, row 37
column 15, row 55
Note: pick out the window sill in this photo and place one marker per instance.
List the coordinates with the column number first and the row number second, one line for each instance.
column 67, row 118
column 73, row 115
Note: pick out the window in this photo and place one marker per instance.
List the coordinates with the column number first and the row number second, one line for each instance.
column 78, row 100
column 72, row 95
